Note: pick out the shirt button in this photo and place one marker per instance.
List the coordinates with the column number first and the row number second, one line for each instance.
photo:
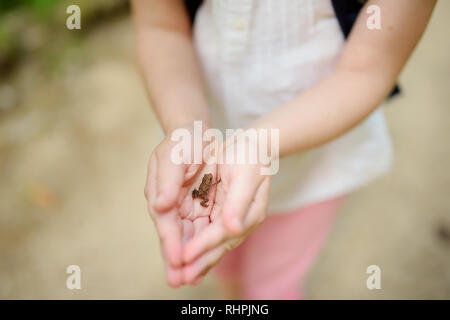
column 238, row 24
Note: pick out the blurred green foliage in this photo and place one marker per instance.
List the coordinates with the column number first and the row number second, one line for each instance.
column 38, row 7
column 34, row 27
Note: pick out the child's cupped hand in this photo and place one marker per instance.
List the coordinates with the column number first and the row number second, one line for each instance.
column 194, row 238
column 176, row 215
column 239, row 207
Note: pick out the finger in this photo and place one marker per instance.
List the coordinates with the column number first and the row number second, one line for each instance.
column 192, row 171
column 169, row 180
column 258, row 208
column 170, row 233
column 199, row 268
column 216, row 211
column 197, row 281
column 168, row 230
column 210, row 237
column 150, row 184
column 238, row 200
column 214, row 235
column 174, row 276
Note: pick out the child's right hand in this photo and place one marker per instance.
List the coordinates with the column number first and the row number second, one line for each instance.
column 162, row 190
column 176, row 215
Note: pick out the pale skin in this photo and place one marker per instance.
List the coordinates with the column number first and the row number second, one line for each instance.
column 194, row 238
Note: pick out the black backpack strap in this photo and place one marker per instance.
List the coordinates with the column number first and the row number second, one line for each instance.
column 192, row 7
column 346, row 12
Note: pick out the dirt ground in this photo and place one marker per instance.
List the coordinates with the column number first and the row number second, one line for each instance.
column 73, row 157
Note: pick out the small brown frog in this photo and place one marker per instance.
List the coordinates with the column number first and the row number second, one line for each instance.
column 203, row 190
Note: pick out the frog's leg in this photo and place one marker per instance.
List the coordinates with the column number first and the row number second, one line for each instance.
column 204, row 202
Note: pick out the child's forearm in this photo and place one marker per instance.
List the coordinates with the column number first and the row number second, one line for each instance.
column 364, row 76
column 173, row 80
column 168, row 63
column 322, row 113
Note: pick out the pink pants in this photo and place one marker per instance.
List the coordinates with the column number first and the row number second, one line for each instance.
column 272, row 262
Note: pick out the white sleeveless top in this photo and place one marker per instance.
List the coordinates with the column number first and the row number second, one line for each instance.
column 257, row 54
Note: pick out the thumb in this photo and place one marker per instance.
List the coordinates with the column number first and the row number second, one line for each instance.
column 169, row 180
column 238, row 200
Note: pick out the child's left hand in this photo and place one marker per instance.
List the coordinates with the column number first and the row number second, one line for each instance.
column 240, row 205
